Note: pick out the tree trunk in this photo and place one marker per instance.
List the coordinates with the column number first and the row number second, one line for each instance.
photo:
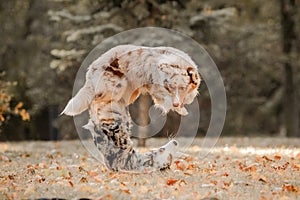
column 288, row 10
column 144, row 105
column 53, row 113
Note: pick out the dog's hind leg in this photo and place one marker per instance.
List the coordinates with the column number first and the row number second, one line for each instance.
column 119, row 158
column 110, row 128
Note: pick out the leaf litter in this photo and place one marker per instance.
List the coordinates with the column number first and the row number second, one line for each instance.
column 237, row 168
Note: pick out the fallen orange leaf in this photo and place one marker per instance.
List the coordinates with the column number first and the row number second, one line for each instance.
column 214, row 182
column 283, row 167
column 251, row 168
column 268, row 159
column 180, row 165
column 296, row 166
column 277, row 157
column 126, row 191
column 92, row 173
column 290, row 188
column 71, row 183
column 188, row 174
column 171, row 181
column 191, row 166
column 182, row 181
column 227, row 184
column 83, row 180
column 263, row 179
column 225, row 174
column 112, row 175
column 81, row 169
column 123, row 184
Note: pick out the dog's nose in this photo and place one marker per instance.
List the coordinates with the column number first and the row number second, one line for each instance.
column 175, row 104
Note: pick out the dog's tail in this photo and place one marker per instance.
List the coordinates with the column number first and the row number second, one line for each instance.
column 80, row 101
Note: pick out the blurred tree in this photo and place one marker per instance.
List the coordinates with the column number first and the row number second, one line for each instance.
column 289, row 37
column 27, row 41
column 245, row 48
column 44, row 42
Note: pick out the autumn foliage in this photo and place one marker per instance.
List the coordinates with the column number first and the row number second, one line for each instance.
column 7, row 109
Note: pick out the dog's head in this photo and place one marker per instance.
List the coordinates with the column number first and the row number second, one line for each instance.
column 180, row 86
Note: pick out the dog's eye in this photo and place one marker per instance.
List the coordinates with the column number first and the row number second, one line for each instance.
column 161, row 150
column 167, row 88
column 181, row 88
column 172, row 86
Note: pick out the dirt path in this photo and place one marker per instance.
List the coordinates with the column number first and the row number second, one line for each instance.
column 237, row 168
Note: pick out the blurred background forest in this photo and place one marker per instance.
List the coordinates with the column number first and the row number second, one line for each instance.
column 255, row 44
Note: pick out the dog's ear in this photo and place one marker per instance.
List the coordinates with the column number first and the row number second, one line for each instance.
column 194, row 77
column 80, row 102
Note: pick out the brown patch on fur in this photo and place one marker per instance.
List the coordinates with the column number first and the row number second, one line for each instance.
column 94, row 69
column 139, row 52
column 129, row 53
column 114, row 71
column 193, row 86
column 134, row 96
column 163, row 51
column 157, row 99
column 98, row 101
column 126, row 64
column 163, row 66
column 119, row 85
column 174, row 75
column 108, row 120
column 98, row 95
column 175, row 66
column 115, row 63
column 192, row 76
column 107, row 101
column 144, row 89
column 167, row 87
column 166, row 65
column 147, row 86
column 108, row 74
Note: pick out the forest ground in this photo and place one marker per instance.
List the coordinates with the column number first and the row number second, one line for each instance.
column 236, row 168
